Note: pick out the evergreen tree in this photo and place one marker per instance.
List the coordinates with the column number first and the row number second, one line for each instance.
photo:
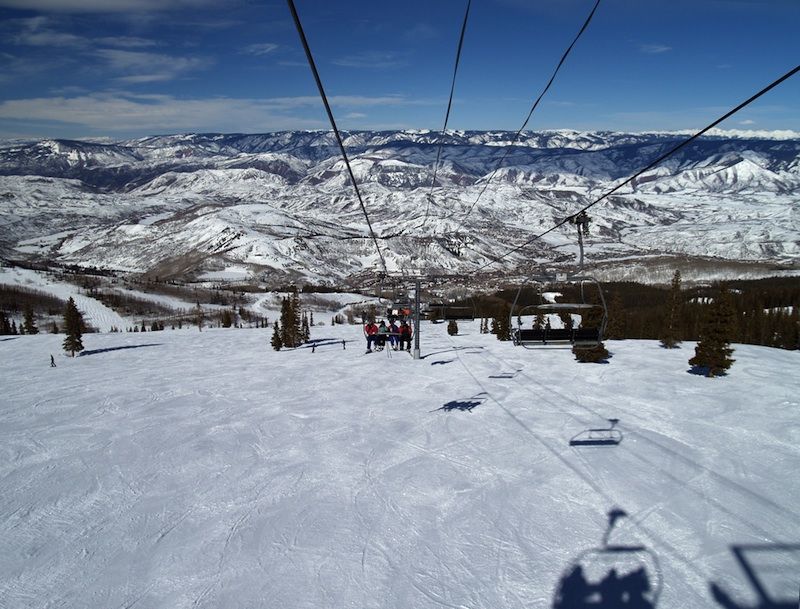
column 452, row 327
column 595, row 354
column 305, row 330
column 670, row 332
column 227, row 320
column 53, row 328
column 30, row 322
column 5, row 324
column 73, row 327
column 199, row 316
column 276, row 342
column 712, row 353
column 566, row 320
column 502, row 323
column 290, row 324
column 538, row 322
column 616, row 328
column 14, row 327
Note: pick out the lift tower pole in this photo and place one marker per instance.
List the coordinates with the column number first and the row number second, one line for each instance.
column 417, row 289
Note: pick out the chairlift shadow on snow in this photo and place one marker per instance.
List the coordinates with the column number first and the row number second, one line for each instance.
column 772, row 572
column 321, row 342
column 463, row 405
column 611, row 576
column 603, row 436
column 2, row 340
column 506, row 375
column 442, row 362
column 107, row 349
column 427, row 355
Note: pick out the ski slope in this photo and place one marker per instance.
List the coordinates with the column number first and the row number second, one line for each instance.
column 182, row 469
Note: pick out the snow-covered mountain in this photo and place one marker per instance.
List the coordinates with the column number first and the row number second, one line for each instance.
column 281, row 204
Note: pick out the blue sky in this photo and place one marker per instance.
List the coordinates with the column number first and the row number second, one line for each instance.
column 126, row 68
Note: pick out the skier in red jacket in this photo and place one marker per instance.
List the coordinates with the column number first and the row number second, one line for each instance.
column 405, row 335
column 371, row 330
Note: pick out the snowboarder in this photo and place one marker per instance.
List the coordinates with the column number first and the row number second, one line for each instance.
column 52, row 361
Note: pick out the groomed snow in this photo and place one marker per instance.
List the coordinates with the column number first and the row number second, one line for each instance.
column 182, row 469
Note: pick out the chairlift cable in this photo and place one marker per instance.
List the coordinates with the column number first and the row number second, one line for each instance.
column 657, row 161
column 447, row 114
column 530, row 114
column 324, row 97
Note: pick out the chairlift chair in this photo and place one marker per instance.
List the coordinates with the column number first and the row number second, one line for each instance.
column 573, row 337
column 581, row 337
column 446, row 312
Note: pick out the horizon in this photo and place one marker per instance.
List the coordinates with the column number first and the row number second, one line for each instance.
column 124, row 69
column 776, row 134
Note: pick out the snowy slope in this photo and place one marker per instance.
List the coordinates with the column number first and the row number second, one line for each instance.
column 94, row 312
column 204, row 470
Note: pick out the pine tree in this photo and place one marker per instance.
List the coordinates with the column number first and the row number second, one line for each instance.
column 452, row 327
column 594, row 354
column 73, row 327
column 305, row 330
column 227, row 321
column 276, row 342
column 502, row 323
column 670, row 332
column 14, row 327
column 290, row 324
column 5, row 324
column 616, row 328
column 30, row 322
column 53, row 328
column 712, row 353
column 538, row 322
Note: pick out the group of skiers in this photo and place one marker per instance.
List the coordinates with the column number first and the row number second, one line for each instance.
column 399, row 336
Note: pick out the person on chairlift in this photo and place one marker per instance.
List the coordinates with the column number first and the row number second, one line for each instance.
column 371, row 330
column 405, row 335
column 394, row 335
column 383, row 332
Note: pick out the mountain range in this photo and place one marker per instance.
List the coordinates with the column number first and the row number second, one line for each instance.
column 280, row 206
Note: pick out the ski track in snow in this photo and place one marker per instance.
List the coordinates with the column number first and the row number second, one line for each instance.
column 203, row 470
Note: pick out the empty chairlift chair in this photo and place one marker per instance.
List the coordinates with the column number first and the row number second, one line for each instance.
column 586, row 333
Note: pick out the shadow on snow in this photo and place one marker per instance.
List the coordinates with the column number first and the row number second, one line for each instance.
column 107, row 349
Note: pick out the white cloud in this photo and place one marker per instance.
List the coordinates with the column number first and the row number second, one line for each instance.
column 747, row 122
column 355, row 115
column 140, row 67
column 126, row 42
column 259, row 49
column 654, row 49
column 125, row 113
column 102, row 6
column 371, row 60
